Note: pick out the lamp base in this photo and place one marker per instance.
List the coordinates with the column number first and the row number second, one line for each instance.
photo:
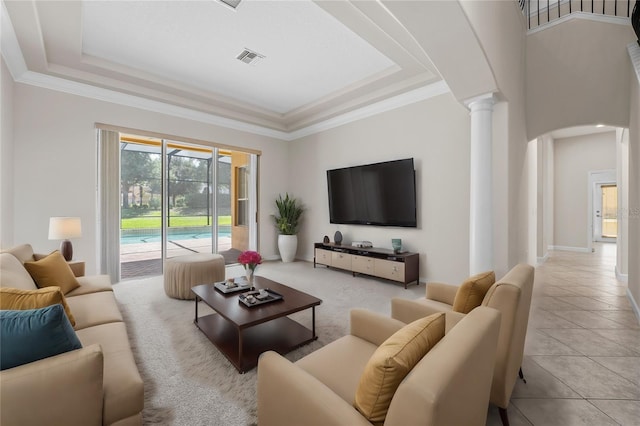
column 67, row 250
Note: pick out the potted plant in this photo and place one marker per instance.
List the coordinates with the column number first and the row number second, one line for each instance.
column 287, row 221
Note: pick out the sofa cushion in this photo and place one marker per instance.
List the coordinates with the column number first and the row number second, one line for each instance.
column 34, row 334
column 392, row 361
column 123, row 387
column 94, row 309
column 91, row 284
column 52, row 270
column 13, row 274
column 340, row 364
column 472, row 291
column 18, row 299
column 23, row 252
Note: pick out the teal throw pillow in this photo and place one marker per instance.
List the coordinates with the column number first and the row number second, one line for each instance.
column 33, row 334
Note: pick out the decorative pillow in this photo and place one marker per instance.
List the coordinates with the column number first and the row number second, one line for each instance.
column 53, row 270
column 472, row 291
column 392, row 361
column 18, row 299
column 30, row 335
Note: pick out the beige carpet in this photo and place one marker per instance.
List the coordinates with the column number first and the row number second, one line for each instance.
column 188, row 382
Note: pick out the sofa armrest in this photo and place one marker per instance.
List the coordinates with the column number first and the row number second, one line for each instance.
column 440, row 292
column 66, row 388
column 288, row 395
column 407, row 311
column 373, row 327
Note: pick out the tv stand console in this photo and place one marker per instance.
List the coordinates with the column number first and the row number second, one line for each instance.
column 377, row 262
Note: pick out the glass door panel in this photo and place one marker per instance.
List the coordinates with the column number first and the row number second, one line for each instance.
column 189, row 197
column 609, row 211
column 140, row 207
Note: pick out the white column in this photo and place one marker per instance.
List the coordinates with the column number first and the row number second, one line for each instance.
column 481, row 205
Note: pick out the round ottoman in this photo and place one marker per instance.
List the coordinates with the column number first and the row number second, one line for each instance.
column 183, row 272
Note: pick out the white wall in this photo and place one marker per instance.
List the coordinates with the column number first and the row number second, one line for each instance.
column 435, row 133
column 577, row 74
column 622, row 177
column 56, row 163
column 6, row 158
column 548, row 195
column 500, row 28
column 634, row 195
column 574, row 158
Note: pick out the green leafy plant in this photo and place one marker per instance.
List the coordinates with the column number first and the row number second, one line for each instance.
column 288, row 217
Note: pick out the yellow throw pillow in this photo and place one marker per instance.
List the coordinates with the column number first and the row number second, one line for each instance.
column 52, row 270
column 392, row 361
column 472, row 291
column 15, row 299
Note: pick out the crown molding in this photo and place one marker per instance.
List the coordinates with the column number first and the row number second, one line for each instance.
column 413, row 96
column 21, row 74
column 9, row 45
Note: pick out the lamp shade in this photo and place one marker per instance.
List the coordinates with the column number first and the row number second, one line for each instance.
column 63, row 228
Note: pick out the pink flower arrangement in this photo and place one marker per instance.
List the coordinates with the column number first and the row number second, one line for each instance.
column 250, row 259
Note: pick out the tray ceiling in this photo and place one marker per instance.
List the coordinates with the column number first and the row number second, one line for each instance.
column 321, row 59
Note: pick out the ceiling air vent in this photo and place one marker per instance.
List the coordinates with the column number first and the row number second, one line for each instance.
column 249, row 57
column 231, row 3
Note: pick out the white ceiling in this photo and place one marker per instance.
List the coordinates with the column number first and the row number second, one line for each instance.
column 322, row 58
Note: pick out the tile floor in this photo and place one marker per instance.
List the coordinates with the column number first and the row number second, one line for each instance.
column 582, row 353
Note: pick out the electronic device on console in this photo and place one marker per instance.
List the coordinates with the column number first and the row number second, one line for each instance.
column 362, row 244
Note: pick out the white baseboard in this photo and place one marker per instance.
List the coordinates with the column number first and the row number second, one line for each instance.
column 567, row 248
column 543, row 259
column 634, row 305
column 621, row 277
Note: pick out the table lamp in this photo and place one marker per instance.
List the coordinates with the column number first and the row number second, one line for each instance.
column 63, row 228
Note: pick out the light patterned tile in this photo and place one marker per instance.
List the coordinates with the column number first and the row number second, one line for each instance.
column 590, row 342
column 587, row 303
column 626, row 413
column 562, row 412
column 627, row 367
column 540, row 318
column 624, row 337
column 540, row 383
column 587, row 319
column 539, row 343
column 588, row 378
column 621, row 302
column 515, row 417
column 553, row 304
column 626, row 318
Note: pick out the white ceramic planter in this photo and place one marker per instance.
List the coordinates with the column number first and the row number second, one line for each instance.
column 287, row 245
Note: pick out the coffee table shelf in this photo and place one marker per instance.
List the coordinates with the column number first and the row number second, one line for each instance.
column 242, row 333
column 281, row 335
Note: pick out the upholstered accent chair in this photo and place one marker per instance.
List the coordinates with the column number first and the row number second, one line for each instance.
column 511, row 295
column 449, row 385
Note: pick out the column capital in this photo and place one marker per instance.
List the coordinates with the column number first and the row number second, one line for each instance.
column 482, row 102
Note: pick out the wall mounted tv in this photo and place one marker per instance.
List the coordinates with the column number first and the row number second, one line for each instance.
column 382, row 194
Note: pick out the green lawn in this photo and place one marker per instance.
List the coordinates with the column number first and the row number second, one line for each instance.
column 154, row 221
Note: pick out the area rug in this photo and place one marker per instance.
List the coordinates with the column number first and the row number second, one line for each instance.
column 187, row 381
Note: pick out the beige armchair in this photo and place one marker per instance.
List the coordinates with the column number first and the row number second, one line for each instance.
column 512, row 297
column 449, row 386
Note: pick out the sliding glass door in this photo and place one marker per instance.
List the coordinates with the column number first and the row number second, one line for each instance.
column 181, row 198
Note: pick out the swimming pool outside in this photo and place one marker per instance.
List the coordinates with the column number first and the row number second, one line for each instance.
column 153, row 235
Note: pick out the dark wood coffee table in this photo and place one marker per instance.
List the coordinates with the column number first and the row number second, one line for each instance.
column 242, row 333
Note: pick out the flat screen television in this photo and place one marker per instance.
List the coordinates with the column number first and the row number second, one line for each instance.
column 382, row 194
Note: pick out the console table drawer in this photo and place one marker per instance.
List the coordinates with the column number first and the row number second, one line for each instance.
column 389, row 269
column 323, row 257
column 341, row 260
column 361, row 264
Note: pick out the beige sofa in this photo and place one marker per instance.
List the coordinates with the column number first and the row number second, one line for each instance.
column 96, row 385
column 511, row 295
column 449, row 385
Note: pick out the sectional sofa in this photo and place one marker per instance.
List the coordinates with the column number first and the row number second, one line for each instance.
column 98, row 384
